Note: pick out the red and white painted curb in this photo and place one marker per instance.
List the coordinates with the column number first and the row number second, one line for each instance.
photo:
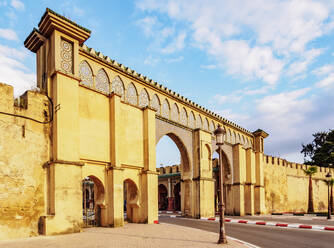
column 278, row 224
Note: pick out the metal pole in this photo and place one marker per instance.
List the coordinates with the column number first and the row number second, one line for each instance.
column 329, row 205
column 222, row 236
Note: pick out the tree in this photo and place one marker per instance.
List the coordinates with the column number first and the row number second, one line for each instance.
column 330, row 183
column 310, row 172
column 321, row 150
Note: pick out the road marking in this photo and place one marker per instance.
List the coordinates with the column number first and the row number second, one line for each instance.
column 244, row 242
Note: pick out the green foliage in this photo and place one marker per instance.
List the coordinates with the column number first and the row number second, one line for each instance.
column 311, row 170
column 320, row 150
column 330, row 182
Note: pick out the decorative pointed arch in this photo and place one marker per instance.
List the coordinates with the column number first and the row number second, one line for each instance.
column 246, row 143
column 191, row 120
column 233, row 138
column 86, row 73
column 199, row 123
column 131, row 94
column 165, row 109
column 143, row 98
column 238, row 139
column 206, row 124
column 155, row 103
column 175, row 113
column 184, row 117
column 102, row 82
column 242, row 140
column 212, row 126
column 228, row 135
column 117, row 86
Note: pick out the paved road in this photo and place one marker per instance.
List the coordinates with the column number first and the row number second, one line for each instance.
column 263, row 236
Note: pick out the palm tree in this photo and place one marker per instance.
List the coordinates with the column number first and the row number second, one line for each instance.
column 310, row 172
column 331, row 184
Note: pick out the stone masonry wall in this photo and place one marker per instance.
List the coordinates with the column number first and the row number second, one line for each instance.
column 286, row 186
column 23, row 150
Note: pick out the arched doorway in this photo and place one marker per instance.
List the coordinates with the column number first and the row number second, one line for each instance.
column 163, row 197
column 131, row 201
column 92, row 201
column 176, row 166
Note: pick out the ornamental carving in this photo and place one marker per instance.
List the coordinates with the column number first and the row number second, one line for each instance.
column 155, row 103
column 86, row 74
column 175, row 113
column 191, row 120
column 143, row 98
column 198, row 122
column 206, row 124
column 165, row 109
column 66, row 54
column 102, row 81
column 131, row 94
column 183, row 117
column 117, row 87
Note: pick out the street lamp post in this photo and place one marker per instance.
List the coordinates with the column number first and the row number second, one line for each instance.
column 220, row 133
column 328, row 178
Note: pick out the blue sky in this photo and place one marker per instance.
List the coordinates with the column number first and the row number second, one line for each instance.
column 263, row 63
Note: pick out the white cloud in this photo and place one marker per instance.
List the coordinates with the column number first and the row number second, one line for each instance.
column 257, row 40
column 257, row 62
column 286, row 105
column 232, row 98
column 8, row 34
column 174, row 60
column 307, row 59
column 175, row 45
column 151, row 61
column 232, row 115
column 209, row 67
column 13, row 71
column 323, row 70
column 17, row 4
column 147, row 24
column 326, row 82
column 258, row 91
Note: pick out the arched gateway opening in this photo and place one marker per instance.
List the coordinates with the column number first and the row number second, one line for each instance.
column 131, row 201
column 92, row 201
column 174, row 194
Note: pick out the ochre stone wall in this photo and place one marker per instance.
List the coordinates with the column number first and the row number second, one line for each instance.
column 23, row 150
column 286, row 187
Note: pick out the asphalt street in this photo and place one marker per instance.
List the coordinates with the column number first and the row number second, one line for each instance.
column 263, row 236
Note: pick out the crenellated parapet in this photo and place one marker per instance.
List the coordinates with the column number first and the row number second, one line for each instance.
column 297, row 167
column 169, row 169
column 32, row 108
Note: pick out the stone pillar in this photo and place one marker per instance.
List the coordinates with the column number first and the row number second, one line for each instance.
column 114, row 184
column 204, row 191
column 115, row 196
column 259, row 204
column 239, row 164
column 149, row 193
column 170, row 196
column 250, row 182
column 259, row 173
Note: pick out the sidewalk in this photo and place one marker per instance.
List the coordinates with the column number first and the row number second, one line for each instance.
column 131, row 235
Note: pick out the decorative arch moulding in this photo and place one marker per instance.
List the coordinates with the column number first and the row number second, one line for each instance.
column 139, row 78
